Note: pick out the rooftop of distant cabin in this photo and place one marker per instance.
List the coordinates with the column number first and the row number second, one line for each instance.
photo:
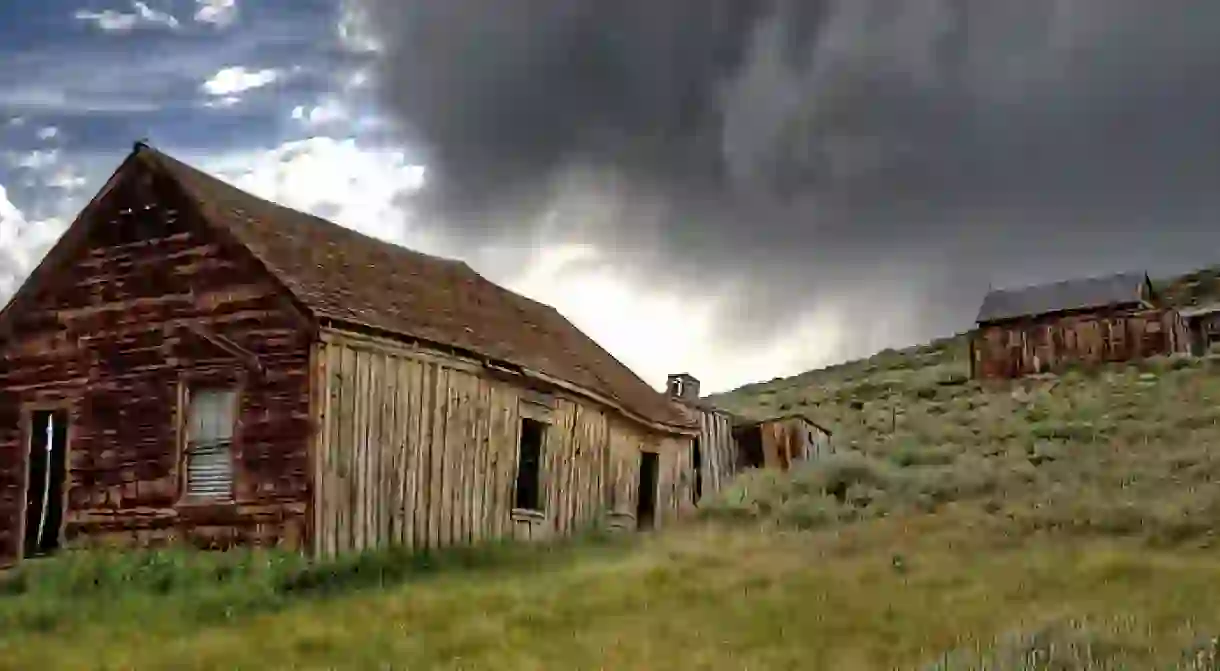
column 1068, row 295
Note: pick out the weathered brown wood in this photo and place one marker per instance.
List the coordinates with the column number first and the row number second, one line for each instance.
column 437, row 446
column 99, row 331
column 1042, row 343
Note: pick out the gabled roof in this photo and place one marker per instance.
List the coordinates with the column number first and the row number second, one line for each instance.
column 1077, row 294
column 352, row 279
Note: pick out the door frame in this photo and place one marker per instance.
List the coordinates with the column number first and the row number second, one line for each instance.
column 27, row 415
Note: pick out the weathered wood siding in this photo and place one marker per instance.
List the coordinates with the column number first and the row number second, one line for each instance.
column 419, row 448
column 786, row 441
column 718, row 451
column 1048, row 343
column 1204, row 330
column 104, row 338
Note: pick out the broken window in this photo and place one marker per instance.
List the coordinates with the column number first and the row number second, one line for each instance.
column 529, row 465
column 675, row 387
column 211, row 418
column 45, row 480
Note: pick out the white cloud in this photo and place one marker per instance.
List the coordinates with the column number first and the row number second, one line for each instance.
column 237, row 79
column 66, row 178
column 354, row 29
column 47, row 133
column 222, row 103
column 652, row 329
column 39, row 159
column 113, row 21
column 220, row 13
column 333, row 178
column 22, row 244
column 328, row 111
column 16, row 121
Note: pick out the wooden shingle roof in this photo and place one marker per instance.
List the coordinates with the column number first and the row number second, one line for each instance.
column 350, row 278
column 1077, row 294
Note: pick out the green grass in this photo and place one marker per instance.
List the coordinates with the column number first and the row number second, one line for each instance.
column 925, row 591
column 1059, row 522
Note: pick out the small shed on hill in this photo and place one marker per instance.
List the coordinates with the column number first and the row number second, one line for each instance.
column 1090, row 320
column 190, row 363
column 780, row 442
column 714, row 454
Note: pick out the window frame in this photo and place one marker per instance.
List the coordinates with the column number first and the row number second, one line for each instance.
column 188, row 385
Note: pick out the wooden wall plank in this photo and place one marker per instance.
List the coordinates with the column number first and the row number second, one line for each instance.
column 483, row 483
column 423, row 473
column 392, row 455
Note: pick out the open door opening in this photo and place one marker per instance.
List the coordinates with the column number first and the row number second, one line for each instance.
column 696, row 459
column 750, row 446
column 47, row 473
column 646, row 498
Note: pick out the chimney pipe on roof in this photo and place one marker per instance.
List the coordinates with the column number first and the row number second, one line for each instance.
column 682, row 387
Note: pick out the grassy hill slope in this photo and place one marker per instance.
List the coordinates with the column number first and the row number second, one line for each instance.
column 1129, row 450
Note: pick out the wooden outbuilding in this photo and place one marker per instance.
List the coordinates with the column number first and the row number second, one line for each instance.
column 1202, row 324
column 1084, row 321
column 190, row 363
column 781, row 442
column 714, row 453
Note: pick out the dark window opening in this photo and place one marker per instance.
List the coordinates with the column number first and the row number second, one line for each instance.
column 750, row 454
column 697, row 465
column 47, row 474
column 646, row 499
column 529, row 465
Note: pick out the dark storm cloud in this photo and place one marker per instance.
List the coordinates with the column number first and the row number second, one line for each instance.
column 893, row 157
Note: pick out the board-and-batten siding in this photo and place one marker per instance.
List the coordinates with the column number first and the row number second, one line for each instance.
column 718, row 450
column 419, row 448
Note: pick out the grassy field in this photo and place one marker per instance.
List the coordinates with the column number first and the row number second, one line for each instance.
column 1063, row 522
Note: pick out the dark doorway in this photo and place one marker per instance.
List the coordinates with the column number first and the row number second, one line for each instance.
column 529, row 465
column 696, row 459
column 750, row 447
column 47, row 472
column 646, row 499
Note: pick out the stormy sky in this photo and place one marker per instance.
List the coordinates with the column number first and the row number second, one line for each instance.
column 740, row 188
column 885, row 159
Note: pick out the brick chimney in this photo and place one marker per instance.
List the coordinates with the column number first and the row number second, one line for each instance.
column 682, row 387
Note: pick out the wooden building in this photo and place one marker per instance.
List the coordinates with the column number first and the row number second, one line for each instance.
column 190, row 363
column 781, row 442
column 1202, row 323
column 1094, row 320
column 714, row 454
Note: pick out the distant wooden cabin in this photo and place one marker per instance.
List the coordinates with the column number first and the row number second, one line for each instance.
column 190, row 363
column 781, row 442
column 714, row 453
column 1094, row 320
column 1202, row 323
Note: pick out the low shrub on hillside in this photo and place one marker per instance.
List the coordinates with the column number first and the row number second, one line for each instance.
column 851, row 486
